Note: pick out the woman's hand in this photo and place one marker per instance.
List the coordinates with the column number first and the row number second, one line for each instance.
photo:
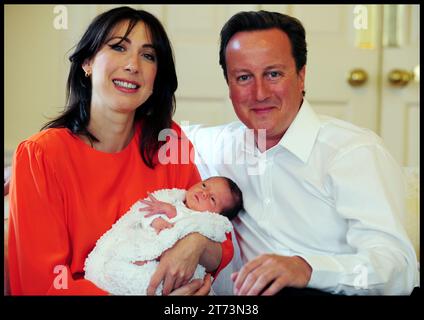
column 196, row 287
column 177, row 264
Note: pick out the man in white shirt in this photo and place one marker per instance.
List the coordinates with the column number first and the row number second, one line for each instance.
column 323, row 198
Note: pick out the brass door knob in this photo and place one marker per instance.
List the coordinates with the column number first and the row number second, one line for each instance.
column 357, row 77
column 399, row 78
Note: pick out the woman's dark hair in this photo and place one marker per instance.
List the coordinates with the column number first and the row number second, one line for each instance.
column 156, row 113
column 263, row 20
column 237, row 195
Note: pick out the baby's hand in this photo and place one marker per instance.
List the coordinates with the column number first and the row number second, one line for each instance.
column 159, row 224
column 154, row 206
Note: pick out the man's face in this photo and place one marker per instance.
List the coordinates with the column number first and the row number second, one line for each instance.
column 265, row 88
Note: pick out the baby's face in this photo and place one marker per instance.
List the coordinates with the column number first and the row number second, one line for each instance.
column 212, row 194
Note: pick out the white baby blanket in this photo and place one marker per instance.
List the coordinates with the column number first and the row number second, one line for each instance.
column 110, row 264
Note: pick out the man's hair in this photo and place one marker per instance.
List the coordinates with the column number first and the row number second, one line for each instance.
column 237, row 195
column 264, row 20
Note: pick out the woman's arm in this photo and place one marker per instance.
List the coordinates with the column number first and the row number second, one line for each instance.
column 177, row 264
column 39, row 246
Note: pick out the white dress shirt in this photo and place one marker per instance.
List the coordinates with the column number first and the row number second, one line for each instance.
column 328, row 192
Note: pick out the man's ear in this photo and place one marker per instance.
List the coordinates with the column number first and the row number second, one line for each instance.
column 301, row 77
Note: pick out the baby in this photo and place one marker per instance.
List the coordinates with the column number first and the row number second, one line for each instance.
column 216, row 194
column 125, row 257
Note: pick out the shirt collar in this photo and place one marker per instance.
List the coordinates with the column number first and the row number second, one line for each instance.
column 300, row 137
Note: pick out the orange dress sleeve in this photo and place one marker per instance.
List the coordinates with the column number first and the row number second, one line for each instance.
column 39, row 243
column 227, row 254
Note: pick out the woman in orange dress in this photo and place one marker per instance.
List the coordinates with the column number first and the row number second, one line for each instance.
column 72, row 181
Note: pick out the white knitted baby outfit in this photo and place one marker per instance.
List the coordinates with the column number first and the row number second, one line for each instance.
column 110, row 265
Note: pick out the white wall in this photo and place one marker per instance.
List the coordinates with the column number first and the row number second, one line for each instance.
column 36, row 66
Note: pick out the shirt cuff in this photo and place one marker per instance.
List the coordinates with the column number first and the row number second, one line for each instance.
column 326, row 272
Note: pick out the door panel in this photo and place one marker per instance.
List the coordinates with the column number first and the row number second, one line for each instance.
column 332, row 54
column 194, row 32
column 400, row 105
column 202, row 95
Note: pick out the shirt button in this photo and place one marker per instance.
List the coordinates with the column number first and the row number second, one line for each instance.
column 267, row 201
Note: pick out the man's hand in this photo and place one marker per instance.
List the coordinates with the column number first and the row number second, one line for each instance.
column 271, row 270
column 154, row 206
column 177, row 264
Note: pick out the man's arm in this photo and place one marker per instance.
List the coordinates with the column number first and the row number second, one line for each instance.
column 369, row 191
column 367, row 187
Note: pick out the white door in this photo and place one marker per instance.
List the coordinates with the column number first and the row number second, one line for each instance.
column 400, row 98
column 340, row 38
column 333, row 52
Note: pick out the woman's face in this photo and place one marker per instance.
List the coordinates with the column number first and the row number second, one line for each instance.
column 124, row 69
